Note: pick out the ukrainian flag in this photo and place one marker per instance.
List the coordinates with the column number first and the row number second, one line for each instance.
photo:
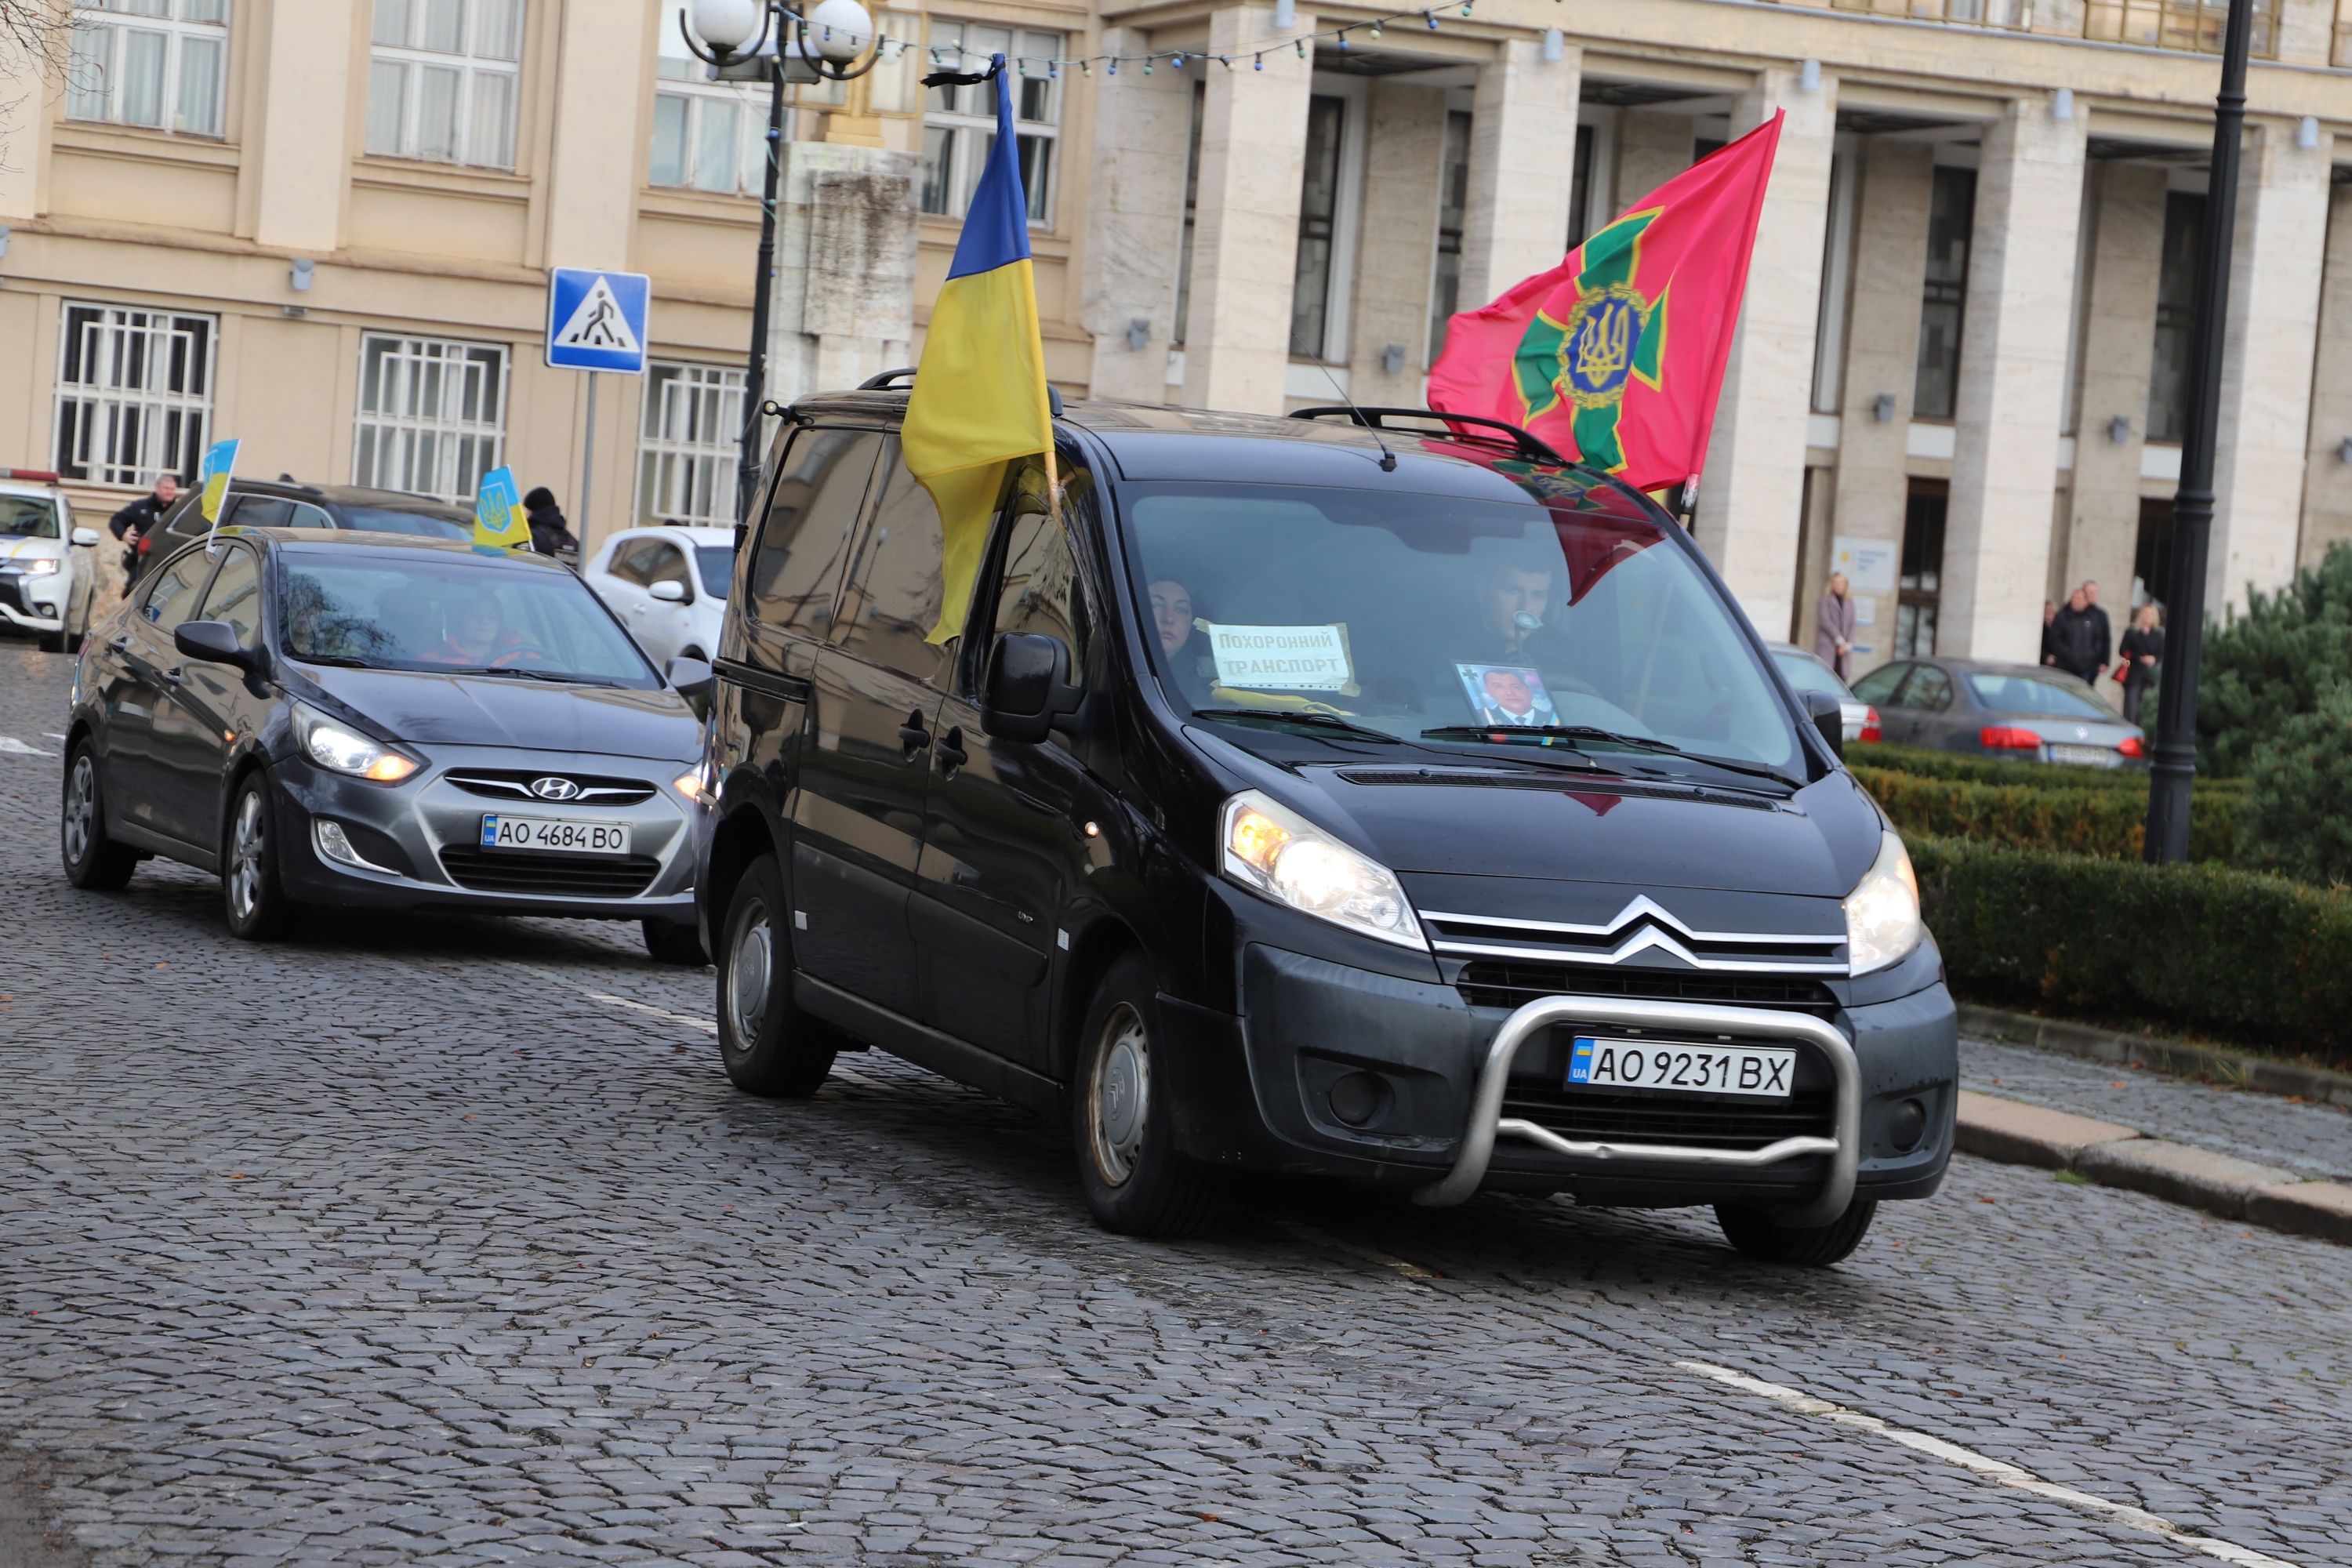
column 980, row 397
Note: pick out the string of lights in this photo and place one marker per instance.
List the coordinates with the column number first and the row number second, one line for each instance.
column 1178, row 59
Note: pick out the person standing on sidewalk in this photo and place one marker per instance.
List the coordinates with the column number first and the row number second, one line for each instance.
column 548, row 531
column 1833, row 624
column 137, row 523
column 2143, row 657
column 2075, row 644
column 2103, row 635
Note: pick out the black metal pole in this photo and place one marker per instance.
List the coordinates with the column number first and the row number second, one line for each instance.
column 755, row 373
column 2192, row 507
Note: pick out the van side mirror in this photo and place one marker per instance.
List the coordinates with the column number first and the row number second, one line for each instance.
column 1028, row 687
column 213, row 642
column 86, row 536
column 669, row 593
column 1828, row 715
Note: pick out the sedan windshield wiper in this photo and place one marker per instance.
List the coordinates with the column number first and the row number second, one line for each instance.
column 1284, row 715
column 342, row 660
column 1510, row 734
column 557, row 676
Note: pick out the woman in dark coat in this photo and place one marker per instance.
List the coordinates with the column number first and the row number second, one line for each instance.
column 2143, row 655
column 549, row 533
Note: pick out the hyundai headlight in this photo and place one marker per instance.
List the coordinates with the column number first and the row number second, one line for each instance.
column 338, row 748
column 1881, row 914
column 1274, row 851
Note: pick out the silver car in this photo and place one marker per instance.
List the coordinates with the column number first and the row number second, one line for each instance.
column 2023, row 712
column 1806, row 672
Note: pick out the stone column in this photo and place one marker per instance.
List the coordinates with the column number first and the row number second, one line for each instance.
column 844, row 305
column 2012, row 370
column 1522, row 168
column 296, row 156
column 1135, row 220
column 1395, row 253
column 596, row 150
column 1889, row 271
column 2266, row 366
column 1752, row 495
column 2118, row 348
column 1653, row 147
column 1245, row 215
column 2328, row 480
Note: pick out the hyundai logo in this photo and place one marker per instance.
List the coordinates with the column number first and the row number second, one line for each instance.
column 554, row 789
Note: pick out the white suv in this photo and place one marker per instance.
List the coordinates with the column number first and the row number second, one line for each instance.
column 669, row 585
column 49, row 568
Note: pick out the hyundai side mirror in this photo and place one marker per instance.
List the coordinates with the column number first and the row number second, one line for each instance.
column 86, row 537
column 214, row 642
column 690, row 677
column 1028, row 687
column 670, row 591
column 1828, row 715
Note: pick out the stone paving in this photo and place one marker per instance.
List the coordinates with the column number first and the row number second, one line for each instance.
column 388, row 1244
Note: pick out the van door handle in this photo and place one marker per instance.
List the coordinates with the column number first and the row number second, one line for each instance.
column 913, row 736
column 952, row 754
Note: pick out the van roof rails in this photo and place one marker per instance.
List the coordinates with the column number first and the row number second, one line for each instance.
column 890, row 378
column 1524, row 444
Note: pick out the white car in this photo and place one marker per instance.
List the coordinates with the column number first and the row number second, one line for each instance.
column 669, row 585
column 48, row 567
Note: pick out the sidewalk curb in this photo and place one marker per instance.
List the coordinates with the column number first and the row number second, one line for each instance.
column 2174, row 1056
column 2015, row 1133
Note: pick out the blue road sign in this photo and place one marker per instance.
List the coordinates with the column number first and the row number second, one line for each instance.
column 596, row 320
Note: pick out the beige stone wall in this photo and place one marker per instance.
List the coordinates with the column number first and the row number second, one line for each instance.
column 2127, row 237
column 2327, row 477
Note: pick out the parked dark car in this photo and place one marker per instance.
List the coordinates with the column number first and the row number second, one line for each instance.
column 381, row 720
column 1804, row 671
column 1291, row 795
column 287, row 503
column 2026, row 713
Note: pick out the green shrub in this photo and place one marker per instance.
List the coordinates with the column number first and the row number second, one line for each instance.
column 2093, row 820
column 2235, row 951
column 2265, row 667
column 2296, row 821
column 1935, row 765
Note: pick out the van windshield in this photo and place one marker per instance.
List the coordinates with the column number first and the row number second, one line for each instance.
column 1438, row 617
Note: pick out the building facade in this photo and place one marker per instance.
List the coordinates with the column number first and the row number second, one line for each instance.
column 323, row 226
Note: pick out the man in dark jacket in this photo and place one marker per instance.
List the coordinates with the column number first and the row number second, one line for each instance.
column 549, row 533
column 2078, row 637
column 140, row 521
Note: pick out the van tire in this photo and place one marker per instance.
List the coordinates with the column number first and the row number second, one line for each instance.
column 1137, row 1181
column 768, row 1045
column 1815, row 1246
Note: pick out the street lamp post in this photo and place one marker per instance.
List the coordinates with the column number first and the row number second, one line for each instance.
column 2192, row 507
column 725, row 33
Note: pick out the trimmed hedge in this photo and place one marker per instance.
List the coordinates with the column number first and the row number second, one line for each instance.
column 2235, row 951
column 2111, row 823
column 1933, row 764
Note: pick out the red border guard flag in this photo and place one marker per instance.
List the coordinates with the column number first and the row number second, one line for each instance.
column 1616, row 356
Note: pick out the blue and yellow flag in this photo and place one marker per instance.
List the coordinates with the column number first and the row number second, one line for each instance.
column 499, row 521
column 980, row 397
column 213, row 475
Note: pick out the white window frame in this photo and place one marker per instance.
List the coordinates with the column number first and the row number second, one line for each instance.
column 683, row 87
column 960, row 122
column 134, row 392
column 112, row 39
column 420, row 428
column 471, row 48
column 689, row 444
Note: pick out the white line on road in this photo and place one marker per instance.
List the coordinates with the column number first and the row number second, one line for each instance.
column 1992, row 1469
column 1323, row 1239
column 9, row 744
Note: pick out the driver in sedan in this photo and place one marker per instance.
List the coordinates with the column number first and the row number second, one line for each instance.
column 479, row 637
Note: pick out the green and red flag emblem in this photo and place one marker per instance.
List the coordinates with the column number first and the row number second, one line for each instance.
column 1616, row 356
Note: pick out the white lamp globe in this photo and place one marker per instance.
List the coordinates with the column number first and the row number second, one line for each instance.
column 839, row 29
column 725, row 24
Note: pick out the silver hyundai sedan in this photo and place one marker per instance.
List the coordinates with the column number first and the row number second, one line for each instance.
column 385, row 722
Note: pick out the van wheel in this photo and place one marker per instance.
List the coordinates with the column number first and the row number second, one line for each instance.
column 1754, row 1234
column 93, row 861
column 673, row 942
column 1136, row 1181
column 769, row 1046
column 251, row 896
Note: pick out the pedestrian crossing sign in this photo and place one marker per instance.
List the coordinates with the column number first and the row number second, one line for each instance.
column 596, row 320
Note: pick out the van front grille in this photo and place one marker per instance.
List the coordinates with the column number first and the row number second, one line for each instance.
column 1490, row 983
column 548, row 875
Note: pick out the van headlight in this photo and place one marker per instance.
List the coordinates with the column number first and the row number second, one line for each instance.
column 1274, row 851
column 1881, row 914
column 338, row 748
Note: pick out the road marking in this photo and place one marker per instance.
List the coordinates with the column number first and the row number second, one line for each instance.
column 15, row 747
column 1324, row 1238
column 1992, row 1469
column 49, row 735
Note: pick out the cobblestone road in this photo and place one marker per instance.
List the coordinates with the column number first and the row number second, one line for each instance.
column 391, row 1242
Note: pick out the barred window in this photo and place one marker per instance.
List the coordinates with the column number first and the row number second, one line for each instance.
column 134, row 393
column 157, row 63
column 442, row 80
column 707, row 135
column 688, row 445
column 432, row 415
column 960, row 122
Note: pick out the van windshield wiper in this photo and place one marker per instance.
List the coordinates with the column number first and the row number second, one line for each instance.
column 1512, row 734
column 1284, row 716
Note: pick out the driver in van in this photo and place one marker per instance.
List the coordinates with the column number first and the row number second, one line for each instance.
column 1512, row 596
column 1172, row 618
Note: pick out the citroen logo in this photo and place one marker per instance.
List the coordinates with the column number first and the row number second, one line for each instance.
column 554, row 789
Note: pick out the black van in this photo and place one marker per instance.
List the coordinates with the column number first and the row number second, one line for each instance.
column 1339, row 795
